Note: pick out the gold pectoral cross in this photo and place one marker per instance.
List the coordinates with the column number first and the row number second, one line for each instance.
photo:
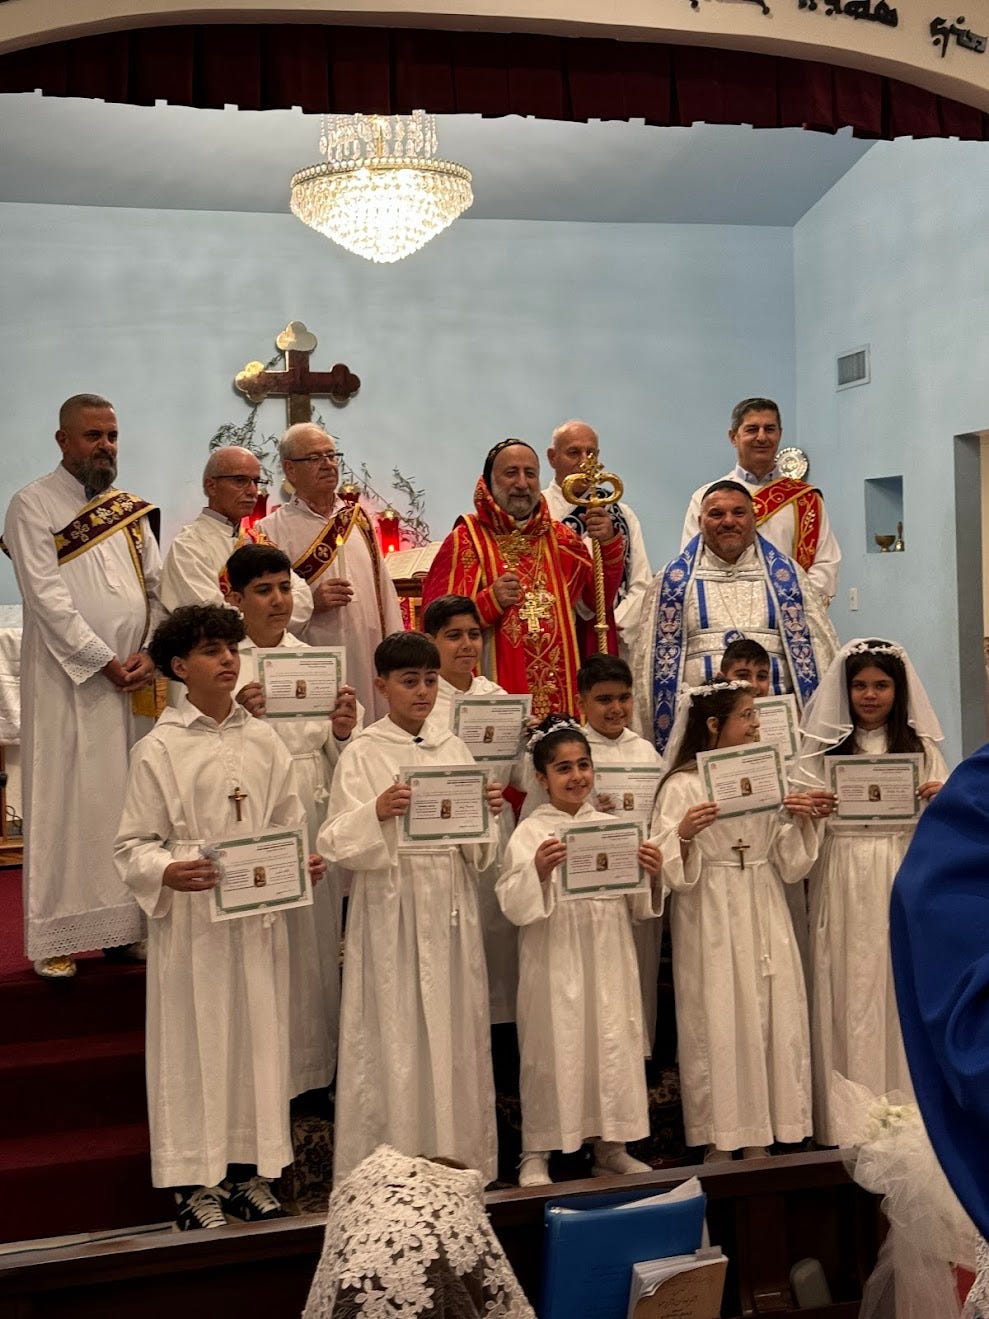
column 538, row 605
column 741, row 848
column 237, row 797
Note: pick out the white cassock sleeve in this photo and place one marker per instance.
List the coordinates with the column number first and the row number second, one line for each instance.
column 676, row 796
column 521, row 895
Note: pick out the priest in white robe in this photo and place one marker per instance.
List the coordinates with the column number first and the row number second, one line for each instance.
column 333, row 547
column 88, row 569
column 728, row 583
column 194, row 570
column 572, row 442
column 415, row 1051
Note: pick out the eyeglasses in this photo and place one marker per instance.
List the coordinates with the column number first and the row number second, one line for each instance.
column 327, row 456
column 241, row 482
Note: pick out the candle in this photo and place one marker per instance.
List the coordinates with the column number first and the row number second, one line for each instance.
column 341, row 558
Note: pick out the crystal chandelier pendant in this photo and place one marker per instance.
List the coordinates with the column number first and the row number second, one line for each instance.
column 380, row 193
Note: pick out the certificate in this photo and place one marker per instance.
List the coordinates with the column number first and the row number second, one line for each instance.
column 490, row 725
column 448, row 806
column 875, row 787
column 627, row 792
column 743, row 780
column 778, row 723
column 602, row 861
column 301, row 684
column 261, row 874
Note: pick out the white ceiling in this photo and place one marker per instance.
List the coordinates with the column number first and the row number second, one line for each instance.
column 171, row 157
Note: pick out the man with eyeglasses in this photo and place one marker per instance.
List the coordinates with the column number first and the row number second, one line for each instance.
column 333, row 548
column 788, row 512
column 195, row 565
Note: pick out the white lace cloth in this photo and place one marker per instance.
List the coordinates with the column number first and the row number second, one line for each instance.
column 407, row 1237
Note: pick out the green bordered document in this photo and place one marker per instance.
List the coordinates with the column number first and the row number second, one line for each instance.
column 743, row 780
column 448, row 806
column 602, row 861
column 301, row 684
column 627, row 792
column 266, row 873
column 875, row 787
column 490, row 725
column 779, row 723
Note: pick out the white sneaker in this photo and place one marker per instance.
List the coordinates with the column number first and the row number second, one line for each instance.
column 611, row 1158
column 534, row 1168
column 713, row 1155
column 62, row 967
column 755, row 1152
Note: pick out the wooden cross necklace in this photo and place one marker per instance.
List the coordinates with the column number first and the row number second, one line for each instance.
column 235, row 772
column 739, row 847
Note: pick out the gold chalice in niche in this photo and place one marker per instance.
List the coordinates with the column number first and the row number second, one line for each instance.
column 885, row 543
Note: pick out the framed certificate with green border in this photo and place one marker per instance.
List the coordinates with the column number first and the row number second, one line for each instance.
column 265, row 873
column 490, row 725
column 743, row 780
column 779, row 723
column 301, row 684
column 876, row 787
column 602, row 861
column 627, row 792
column 448, row 806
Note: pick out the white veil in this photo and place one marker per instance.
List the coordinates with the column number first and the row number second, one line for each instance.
column 827, row 718
column 681, row 715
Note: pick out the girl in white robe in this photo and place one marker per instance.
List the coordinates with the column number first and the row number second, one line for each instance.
column 414, row 1066
column 870, row 702
column 741, row 1006
column 581, row 1036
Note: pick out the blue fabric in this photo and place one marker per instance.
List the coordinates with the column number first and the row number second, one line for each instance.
column 575, row 521
column 939, row 940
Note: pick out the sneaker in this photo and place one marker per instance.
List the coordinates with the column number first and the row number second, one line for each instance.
column 534, row 1168
column 251, row 1201
column 62, row 967
column 128, row 952
column 201, row 1208
column 611, row 1158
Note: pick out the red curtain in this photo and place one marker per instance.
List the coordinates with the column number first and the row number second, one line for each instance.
column 388, row 70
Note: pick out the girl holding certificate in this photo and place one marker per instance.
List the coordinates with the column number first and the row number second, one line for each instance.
column 870, row 704
column 741, row 1007
column 579, row 1006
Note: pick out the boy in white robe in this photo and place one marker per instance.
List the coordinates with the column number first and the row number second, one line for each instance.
column 454, row 624
column 260, row 578
column 415, row 1064
column 217, row 1015
column 604, row 699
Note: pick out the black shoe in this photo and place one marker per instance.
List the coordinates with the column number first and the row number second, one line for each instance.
column 201, row 1207
column 251, row 1201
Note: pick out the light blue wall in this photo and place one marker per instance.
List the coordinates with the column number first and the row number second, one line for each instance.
column 651, row 333
column 894, row 256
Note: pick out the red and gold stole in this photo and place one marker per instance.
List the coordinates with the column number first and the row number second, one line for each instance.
column 806, row 514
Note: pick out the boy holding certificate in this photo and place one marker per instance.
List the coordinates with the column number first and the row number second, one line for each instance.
column 218, row 990
column 409, row 815
column 741, row 1005
column 604, row 698
column 260, row 579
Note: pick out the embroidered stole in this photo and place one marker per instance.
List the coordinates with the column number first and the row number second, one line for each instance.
column 620, row 523
column 784, row 598
column 313, row 562
column 542, row 660
column 245, row 536
column 806, row 514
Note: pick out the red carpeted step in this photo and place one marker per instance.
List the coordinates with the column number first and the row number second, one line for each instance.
column 100, row 999
column 87, row 1180
column 58, row 1085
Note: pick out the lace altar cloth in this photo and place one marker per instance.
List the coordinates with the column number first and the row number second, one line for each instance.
column 407, row 1237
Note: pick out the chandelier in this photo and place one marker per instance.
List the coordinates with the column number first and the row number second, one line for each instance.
column 381, row 193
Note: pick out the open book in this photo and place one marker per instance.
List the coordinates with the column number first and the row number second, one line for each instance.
column 592, row 1242
column 679, row 1286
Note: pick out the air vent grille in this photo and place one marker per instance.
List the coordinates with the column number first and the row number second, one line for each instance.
column 853, row 368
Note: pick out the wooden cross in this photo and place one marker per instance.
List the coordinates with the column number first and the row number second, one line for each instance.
column 297, row 384
column 237, row 797
column 739, row 847
column 538, row 605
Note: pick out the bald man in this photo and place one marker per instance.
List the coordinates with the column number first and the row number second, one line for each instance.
column 572, row 442
column 334, row 549
column 197, row 557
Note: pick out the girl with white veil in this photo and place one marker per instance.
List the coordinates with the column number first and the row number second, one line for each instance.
column 870, row 702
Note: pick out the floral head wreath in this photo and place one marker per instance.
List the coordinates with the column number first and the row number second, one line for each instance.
column 881, row 648
column 561, row 723
column 687, row 694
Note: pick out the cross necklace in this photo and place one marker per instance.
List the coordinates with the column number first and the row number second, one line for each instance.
column 235, row 772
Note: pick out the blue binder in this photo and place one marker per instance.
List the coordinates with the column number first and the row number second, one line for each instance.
column 592, row 1241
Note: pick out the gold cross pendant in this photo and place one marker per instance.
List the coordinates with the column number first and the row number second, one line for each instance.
column 237, row 797
column 538, row 605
